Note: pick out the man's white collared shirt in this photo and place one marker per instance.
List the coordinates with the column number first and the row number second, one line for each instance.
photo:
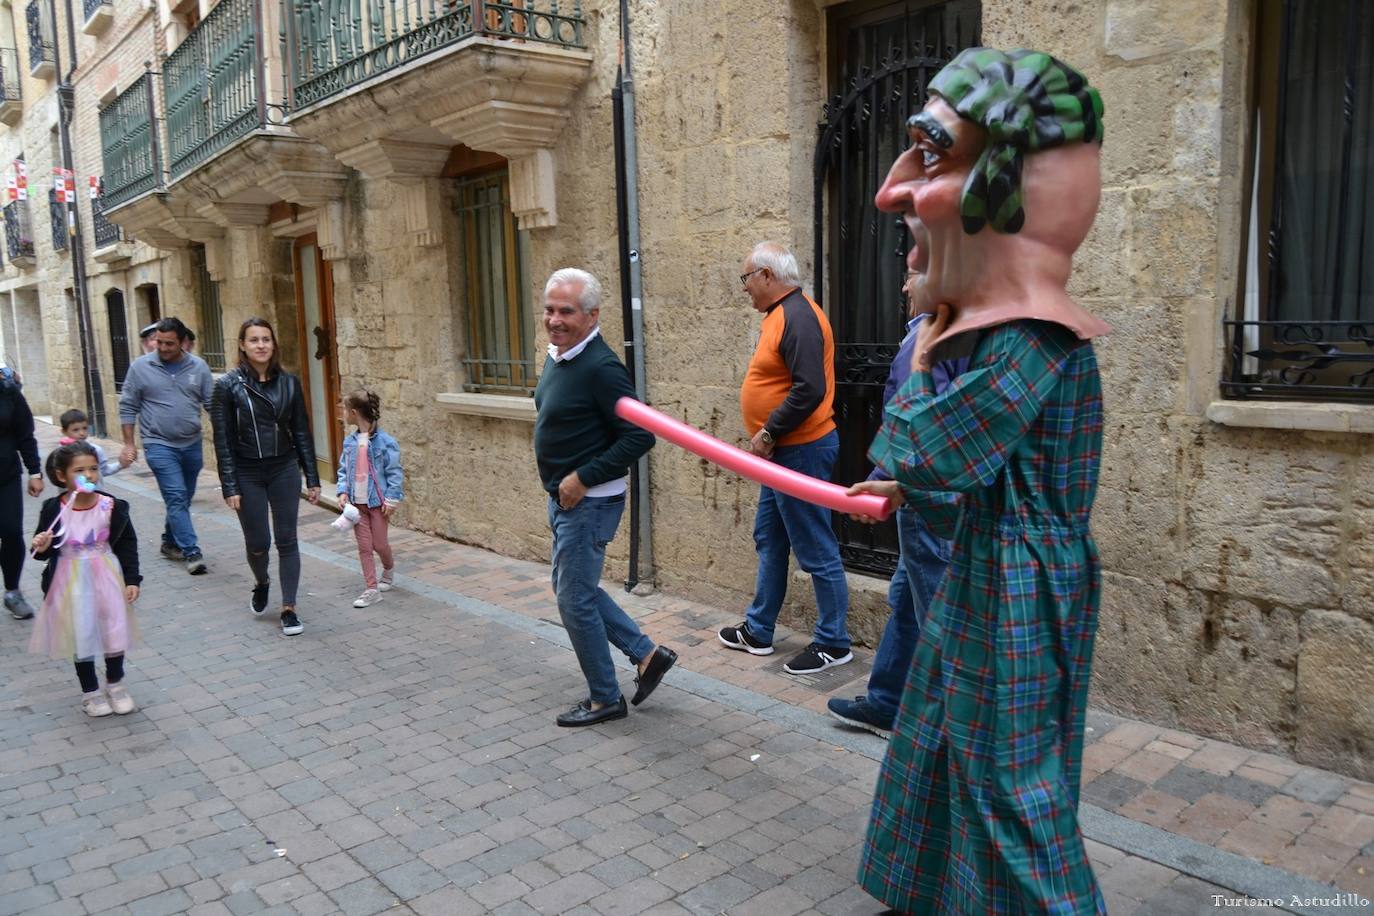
column 575, row 349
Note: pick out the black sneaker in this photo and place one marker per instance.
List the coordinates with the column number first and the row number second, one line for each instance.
column 195, row 564
column 259, row 601
column 740, row 638
column 859, row 713
column 815, row 658
column 171, row 551
column 291, row 624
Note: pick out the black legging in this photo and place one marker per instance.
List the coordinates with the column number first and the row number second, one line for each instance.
column 12, row 544
column 85, row 672
column 271, row 484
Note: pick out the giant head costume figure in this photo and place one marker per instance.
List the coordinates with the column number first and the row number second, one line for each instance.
column 999, row 188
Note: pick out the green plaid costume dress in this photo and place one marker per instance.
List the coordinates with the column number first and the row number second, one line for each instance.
column 976, row 807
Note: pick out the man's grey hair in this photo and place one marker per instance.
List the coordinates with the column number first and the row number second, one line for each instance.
column 588, row 298
column 781, row 262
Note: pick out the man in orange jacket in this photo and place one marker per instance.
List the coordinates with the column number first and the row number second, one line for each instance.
column 786, row 401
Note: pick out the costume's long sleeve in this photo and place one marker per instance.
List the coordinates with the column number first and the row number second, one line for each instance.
column 960, row 440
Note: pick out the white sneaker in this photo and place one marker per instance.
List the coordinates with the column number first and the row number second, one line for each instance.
column 384, row 583
column 367, row 598
column 95, row 705
column 120, row 701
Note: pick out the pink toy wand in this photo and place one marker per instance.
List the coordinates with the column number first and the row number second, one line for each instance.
column 746, row 464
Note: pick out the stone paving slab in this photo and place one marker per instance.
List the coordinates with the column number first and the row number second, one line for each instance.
column 403, row 759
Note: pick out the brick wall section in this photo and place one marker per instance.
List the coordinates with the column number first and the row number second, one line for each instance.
column 112, row 59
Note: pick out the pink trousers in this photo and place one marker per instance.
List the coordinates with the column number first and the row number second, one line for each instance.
column 371, row 534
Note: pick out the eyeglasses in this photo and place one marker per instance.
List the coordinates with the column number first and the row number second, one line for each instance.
column 744, row 278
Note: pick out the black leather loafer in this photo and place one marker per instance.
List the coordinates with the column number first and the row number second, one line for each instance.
column 583, row 714
column 659, row 663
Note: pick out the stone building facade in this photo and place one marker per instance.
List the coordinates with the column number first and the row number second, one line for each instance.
column 127, row 283
column 395, row 220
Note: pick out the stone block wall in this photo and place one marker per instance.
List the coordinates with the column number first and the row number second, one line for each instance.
column 1234, row 599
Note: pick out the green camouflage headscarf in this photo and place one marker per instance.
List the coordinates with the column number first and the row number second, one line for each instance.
column 1027, row 101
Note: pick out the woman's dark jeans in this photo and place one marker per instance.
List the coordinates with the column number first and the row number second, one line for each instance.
column 271, row 484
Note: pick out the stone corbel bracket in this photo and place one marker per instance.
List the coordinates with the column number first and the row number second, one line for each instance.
column 509, row 98
column 164, row 222
column 413, row 168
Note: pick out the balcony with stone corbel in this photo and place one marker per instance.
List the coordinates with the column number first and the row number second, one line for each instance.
column 394, row 88
column 200, row 149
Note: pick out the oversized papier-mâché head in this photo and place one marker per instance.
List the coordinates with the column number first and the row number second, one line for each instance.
column 999, row 189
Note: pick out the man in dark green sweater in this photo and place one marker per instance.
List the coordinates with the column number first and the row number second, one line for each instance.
column 584, row 451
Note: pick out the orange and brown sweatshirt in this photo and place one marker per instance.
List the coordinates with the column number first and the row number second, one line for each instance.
column 790, row 385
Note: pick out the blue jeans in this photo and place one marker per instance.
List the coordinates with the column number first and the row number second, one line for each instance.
column 175, row 470
column 580, row 536
column 922, row 563
column 785, row 525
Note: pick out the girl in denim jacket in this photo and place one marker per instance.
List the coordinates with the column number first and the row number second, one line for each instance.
column 370, row 479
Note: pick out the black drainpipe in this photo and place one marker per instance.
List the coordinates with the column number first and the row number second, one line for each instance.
column 66, row 102
column 631, row 292
column 623, row 229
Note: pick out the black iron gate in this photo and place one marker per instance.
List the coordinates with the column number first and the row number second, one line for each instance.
column 884, row 55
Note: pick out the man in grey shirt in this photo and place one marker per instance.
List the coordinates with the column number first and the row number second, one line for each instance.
column 165, row 391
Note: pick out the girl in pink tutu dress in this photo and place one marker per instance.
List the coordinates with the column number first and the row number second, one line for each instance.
column 91, row 577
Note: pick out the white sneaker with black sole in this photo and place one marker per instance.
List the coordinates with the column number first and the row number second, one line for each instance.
column 740, row 638
column 815, row 658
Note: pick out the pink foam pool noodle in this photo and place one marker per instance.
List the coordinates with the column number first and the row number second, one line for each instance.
column 746, row 464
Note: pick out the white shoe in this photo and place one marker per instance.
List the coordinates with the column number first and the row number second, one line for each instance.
column 384, row 583
column 120, row 701
column 95, row 705
column 367, row 598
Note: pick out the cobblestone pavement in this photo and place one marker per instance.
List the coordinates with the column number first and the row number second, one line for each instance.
column 404, row 759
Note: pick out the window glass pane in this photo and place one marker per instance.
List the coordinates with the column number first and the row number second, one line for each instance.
column 498, row 341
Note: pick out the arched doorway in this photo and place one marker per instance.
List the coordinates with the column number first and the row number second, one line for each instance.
column 882, row 56
column 119, row 336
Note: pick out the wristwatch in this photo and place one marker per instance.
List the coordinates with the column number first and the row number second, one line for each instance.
column 766, row 435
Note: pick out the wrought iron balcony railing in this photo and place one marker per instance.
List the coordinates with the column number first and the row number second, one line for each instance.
column 338, row 45
column 10, row 83
column 212, row 85
column 106, row 233
column 57, row 213
column 129, row 144
column 1302, row 360
column 18, row 233
column 39, row 21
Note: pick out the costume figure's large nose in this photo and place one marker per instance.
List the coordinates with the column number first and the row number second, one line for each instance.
column 896, row 194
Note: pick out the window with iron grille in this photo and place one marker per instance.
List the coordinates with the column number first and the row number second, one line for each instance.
column 499, row 326
column 1305, row 328
column 210, row 335
column 57, row 218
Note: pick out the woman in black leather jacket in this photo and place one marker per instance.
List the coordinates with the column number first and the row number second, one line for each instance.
column 262, row 443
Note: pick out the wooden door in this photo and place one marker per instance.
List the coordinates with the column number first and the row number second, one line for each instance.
column 319, row 354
